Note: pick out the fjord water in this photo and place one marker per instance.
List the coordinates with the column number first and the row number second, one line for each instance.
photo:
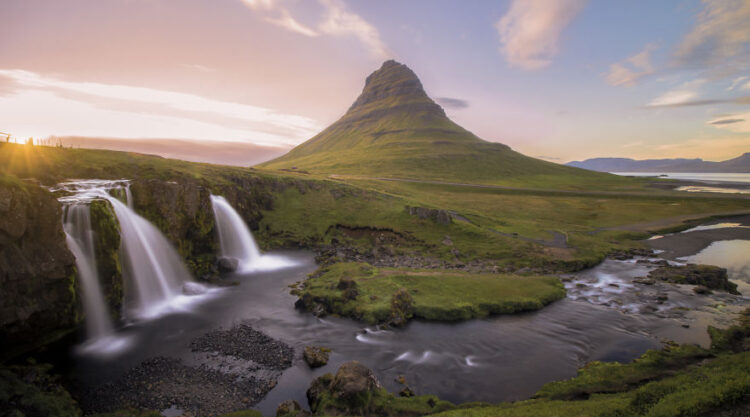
column 80, row 240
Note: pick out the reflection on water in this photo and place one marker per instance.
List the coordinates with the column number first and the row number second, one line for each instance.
column 693, row 176
column 734, row 255
column 715, row 226
column 705, row 189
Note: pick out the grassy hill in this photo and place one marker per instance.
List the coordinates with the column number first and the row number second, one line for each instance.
column 395, row 130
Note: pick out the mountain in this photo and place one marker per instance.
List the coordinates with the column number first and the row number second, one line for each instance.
column 395, row 130
column 741, row 164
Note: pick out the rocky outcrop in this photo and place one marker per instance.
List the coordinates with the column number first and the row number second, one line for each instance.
column 438, row 216
column 708, row 276
column 348, row 392
column 316, row 356
column 37, row 271
column 183, row 212
column 107, row 246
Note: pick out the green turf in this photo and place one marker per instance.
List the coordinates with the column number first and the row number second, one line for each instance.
column 435, row 294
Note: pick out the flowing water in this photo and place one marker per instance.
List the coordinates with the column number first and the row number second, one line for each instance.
column 80, row 240
column 155, row 279
column 237, row 242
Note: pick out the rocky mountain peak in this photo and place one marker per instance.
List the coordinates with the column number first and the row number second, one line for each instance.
column 393, row 84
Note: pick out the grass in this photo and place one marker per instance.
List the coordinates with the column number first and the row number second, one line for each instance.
column 361, row 291
column 506, row 227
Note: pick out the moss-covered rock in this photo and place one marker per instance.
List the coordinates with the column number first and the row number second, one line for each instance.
column 708, row 276
column 107, row 246
column 38, row 300
column 354, row 391
column 316, row 356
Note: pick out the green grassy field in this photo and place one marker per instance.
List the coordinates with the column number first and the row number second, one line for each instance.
column 511, row 228
column 361, row 291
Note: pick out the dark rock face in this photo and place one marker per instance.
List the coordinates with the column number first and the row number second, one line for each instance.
column 315, row 356
column 227, row 264
column 438, row 216
column 183, row 212
column 711, row 277
column 37, row 271
column 107, row 246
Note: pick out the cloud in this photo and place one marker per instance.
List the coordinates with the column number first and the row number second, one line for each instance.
column 737, row 83
column 704, row 102
column 530, row 30
column 339, row 21
column 720, row 38
column 454, row 103
column 257, row 122
column 260, row 4
column 725, row 121
column 685, row 93
column 739, row 123
column 628, row 72
column 287, row 22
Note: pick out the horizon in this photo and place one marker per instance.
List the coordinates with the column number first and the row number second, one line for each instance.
column 677, row 90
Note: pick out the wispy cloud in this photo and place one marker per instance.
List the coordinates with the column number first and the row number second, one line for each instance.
column 720, row 38
column 628, row 72
column 286, row 21
column 681, row 95
column 737, row 82
column 288, row 128
column 340, row 21
column 530, row 30
column 725, row 121
column 453, row 103
column 739, row 123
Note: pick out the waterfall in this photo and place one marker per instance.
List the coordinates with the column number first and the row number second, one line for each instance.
column 237, row 242
column 154, row 272
column 80, row 240
column 234, row 237
column 154, row 276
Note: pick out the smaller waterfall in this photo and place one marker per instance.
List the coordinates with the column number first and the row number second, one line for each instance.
column 80, row 240
column 237, row 242
column 234, row 236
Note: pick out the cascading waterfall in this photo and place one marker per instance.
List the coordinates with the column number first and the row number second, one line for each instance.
column 234, row 237
column 237, row 242
column 80, row 240
column 154, row 276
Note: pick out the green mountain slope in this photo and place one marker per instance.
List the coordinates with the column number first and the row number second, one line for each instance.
column 395, row 130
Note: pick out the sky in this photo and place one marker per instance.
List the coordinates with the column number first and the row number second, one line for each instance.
column 556, row 79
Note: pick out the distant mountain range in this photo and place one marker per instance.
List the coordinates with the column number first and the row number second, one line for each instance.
column 741, row 164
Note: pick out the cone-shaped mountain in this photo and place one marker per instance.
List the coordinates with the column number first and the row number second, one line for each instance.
column 395, row 130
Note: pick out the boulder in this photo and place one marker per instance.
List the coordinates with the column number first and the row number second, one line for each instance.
column 711, row 277
column 316, row 356
column 353, row 384
column 227, row 264
column 291, row 408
